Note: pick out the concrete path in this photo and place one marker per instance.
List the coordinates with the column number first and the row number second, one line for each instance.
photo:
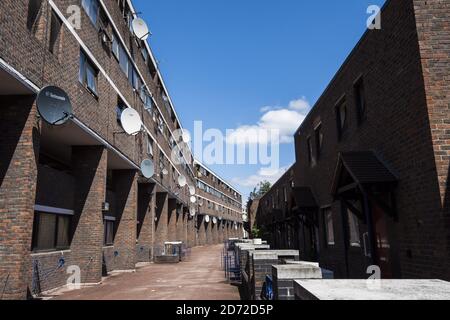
column 199, row 278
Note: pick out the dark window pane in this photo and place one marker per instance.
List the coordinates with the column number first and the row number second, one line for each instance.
column 34, row 7
column 82, row 73
column 45, row 237
column 55, row 29
column 62, row 237
column 360, row 99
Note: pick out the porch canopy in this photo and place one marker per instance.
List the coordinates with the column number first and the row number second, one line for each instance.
column 362, row 174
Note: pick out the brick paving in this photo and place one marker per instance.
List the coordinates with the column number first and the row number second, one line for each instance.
column 199, row 278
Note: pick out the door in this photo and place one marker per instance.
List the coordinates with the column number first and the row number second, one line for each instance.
column 383, row 247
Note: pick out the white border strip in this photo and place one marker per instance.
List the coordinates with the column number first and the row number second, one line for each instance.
column 47, row 209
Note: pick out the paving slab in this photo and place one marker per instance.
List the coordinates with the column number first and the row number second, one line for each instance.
column 372, row 290
column 198, row 278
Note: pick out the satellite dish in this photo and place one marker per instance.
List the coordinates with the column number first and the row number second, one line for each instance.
column 54, row 105
column 215, row 220
column 193, row 199
column 182, row 181
column 147, row 168
column 200, row 202
column 192, row 190
column 131, row 121
column 186, row 137
column 140, row 29
column 207, row 218
column 235, row 226
column 220, row 218
column 165, row 172
column 192, row 211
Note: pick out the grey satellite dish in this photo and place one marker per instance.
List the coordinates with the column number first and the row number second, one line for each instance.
column 193, row 199
column 192, row 190
column 215, row 220
column 200, row 202
column 165, row 172
column 140, row 29
column 182, row 181
column 147, row 168
column 131, row 121
column 207, row 218
column 54, row 105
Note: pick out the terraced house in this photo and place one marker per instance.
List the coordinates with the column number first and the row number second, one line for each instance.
column 371, row 182
column 74, row 194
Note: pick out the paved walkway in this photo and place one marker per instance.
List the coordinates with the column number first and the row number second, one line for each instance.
column 199, row 278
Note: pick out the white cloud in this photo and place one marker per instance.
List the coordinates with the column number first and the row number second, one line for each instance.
column 283, row 121
column 300, row 105
column 264, row 174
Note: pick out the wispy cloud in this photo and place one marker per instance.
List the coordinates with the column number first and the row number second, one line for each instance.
column 284, row 120
column 264, row 174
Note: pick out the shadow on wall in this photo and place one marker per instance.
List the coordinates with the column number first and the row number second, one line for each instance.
column 446, row 213
column 13, row 118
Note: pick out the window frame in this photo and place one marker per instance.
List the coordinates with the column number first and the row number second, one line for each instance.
column 108, row 220
column 318, row 137
column 341, row 127
column 86, row 63
column 360, row 99
column 328, row 211
column 58, row 213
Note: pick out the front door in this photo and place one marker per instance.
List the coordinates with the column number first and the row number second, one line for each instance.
column 383, row 246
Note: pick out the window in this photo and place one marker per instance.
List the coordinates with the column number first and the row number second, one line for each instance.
column 124, row 61
column 51, row 231
column 119, row 109
column 91, row 7
column 341, row 117
column 285, row 194
column 149, row 146
column 115, row 47
column 34, row 8
column 144, row 53
column 108, row 230
column 353, row 228
column 55, row 28
column 329, row 226
column 360, row 100
column 311, row 158
column 88, row 74
column 319, row 140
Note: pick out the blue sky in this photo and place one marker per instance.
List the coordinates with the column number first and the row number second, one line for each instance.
column 231, row 63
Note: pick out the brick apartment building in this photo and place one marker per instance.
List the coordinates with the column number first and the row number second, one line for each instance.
column 371, row 183
column 220, row 207
column 74, row 194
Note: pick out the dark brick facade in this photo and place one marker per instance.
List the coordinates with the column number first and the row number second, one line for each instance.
column 404, row 69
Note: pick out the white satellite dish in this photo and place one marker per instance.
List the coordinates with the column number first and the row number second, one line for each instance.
column 200, row 202
column 192, row 211
column 186, row 137
column 207, row 218
column 235, row 226
column 192, row 190
column 140, row 29
column 131, row 121
column 193, row 199
column 147, row 168
column 215, row 220
column 165, row 172
column 182, row 181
